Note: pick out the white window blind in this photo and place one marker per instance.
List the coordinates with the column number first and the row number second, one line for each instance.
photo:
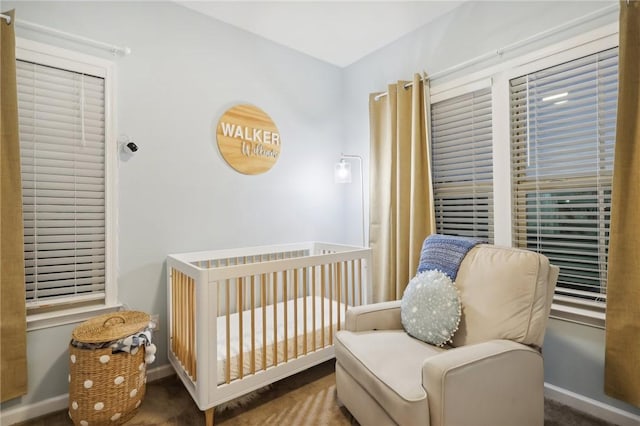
column 462, row 165
column 62, row 148
column 562, row 143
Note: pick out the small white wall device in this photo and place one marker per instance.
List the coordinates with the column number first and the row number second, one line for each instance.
column 127, row 145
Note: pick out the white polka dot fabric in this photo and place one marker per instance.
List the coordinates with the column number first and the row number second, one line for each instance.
column 105, row 388
column 430, row 309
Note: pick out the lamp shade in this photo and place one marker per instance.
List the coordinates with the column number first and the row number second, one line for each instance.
column 342, row 172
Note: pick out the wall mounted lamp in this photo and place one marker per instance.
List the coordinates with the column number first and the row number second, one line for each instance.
column 342, row 174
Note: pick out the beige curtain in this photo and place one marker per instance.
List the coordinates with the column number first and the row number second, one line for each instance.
column 401, row 207
column 622, row 358
column 13, row 327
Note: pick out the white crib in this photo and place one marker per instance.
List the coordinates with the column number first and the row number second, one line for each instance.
column 243, row 318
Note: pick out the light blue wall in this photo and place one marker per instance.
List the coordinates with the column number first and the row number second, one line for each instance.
column 574, row 360
column 574, row 354
column 177, row 194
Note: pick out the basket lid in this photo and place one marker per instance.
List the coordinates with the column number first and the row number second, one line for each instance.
column 111, row 326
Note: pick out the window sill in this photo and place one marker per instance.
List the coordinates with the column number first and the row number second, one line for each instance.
column 68, row 316
column 578, row 315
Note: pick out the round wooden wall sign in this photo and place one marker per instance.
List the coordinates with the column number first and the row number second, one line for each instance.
column 248, row 139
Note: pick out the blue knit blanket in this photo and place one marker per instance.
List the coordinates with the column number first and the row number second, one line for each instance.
column 445, row 253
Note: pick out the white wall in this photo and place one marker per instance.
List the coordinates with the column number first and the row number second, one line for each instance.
column 574, row 354
column 177, row 194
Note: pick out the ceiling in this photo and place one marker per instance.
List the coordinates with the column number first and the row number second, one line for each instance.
column 337, row 32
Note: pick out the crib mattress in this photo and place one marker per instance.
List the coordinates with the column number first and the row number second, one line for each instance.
column 253, row 360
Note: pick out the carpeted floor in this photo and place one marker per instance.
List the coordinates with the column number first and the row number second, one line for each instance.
column 307, row 398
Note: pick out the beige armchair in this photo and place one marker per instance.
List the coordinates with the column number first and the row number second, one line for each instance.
column 491, row 374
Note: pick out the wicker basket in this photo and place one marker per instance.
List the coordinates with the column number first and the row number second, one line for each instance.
column 106, row 388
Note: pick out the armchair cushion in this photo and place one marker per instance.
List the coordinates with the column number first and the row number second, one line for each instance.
column 504, row 294
column 388, row 365
column 499, row 382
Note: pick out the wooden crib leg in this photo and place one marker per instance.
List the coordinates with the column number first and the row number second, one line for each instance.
column 208, row 416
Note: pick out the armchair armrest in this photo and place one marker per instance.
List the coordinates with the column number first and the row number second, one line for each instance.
column 376, row 316
column 499, row 382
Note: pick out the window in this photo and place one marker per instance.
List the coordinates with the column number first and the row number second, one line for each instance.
column 562, row 143
column 462, row 165
column 546, row 178
column 67, row 180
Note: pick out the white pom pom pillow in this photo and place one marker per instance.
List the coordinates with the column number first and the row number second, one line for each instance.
column 430, row 308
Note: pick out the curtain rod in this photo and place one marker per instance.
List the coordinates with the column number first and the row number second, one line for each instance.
column 520, row 43
column 406, row 86
column 123, row 50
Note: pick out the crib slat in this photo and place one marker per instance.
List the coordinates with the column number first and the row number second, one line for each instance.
column 173, row 310
column 285, row 299
column 313, row 306
column 322, row 294
column 192, row 327
column 218, row 289
column 332, row 271
column 305, row 271
column 185, row 319
column 253, row 325
column 187, row 322
column 359, row 269
column 176, row 313
column 274, row 283
column 295, row 313
column 178, row 316
column 227, row 298
column 339, row 286
column 353, row 284
column 346, row 287
column 263, row 301
column 239, row 283
column 182, row 312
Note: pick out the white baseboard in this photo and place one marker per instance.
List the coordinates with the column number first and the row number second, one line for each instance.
column 160, row 372
column 591, row 406
column 31, row 411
